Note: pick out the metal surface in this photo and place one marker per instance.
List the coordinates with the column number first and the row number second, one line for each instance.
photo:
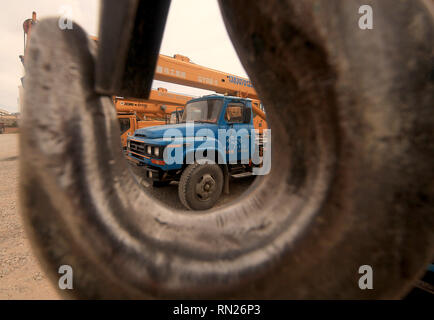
column 129, row 41
column 351, row 182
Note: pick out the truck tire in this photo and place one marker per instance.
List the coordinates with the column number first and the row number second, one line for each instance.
column 200, row 186
column 351, row 183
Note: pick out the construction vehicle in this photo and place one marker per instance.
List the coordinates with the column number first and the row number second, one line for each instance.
column 200, row 185
column 216, row 139
column 27, row 28
column 132, row 113
column 180, row 70
column 237, row 110
column 175, row 116
column 163, row 107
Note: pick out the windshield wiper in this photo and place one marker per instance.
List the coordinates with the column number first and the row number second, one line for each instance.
column 199, row 121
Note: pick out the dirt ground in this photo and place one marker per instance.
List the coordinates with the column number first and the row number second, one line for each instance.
column 21, row 277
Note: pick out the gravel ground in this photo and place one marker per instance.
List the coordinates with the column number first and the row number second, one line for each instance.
column 21, row 277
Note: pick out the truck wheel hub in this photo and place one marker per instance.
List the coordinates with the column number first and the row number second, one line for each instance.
column 205, row 187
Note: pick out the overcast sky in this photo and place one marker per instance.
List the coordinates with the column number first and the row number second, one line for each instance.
column 194, row 29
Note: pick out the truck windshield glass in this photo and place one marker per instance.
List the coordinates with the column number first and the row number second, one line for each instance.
column 203, row 111
column 124, row 124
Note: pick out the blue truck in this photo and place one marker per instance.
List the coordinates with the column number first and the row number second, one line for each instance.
column 214, row 140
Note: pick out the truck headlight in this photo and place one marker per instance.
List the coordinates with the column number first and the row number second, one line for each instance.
column 149, row 150
column 157, row 151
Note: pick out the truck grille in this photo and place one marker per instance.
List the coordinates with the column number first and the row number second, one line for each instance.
column 138, row 148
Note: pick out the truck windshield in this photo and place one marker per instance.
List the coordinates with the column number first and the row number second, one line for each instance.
column 203, row 111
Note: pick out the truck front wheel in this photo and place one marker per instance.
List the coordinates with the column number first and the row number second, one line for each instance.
column 200, row 186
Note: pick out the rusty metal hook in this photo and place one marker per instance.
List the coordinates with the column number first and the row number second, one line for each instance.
column 351, row 182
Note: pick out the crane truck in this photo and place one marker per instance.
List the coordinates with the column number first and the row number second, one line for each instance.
column 219, row 136
column 242, row 106
column 163, row 106
column 181, row 70
column 158, row 109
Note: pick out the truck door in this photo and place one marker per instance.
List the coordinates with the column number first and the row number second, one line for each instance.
column 238, row 117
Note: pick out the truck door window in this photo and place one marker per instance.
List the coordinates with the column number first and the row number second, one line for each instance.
column 234, row 113
column 124, row 124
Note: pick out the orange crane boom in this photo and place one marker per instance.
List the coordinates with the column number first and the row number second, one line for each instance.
column 134, row 114
column 160, row 103
column 180, row 70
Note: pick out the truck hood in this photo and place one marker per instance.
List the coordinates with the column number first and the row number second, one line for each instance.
column 159, row 131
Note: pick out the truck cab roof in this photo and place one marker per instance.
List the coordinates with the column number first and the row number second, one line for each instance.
column 219, row 96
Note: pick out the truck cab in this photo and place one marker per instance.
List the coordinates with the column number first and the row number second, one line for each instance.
column 129, row 123
column 214, row 139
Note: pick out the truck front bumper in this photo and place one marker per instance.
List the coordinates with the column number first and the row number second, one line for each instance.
column 153, row 174
column 150, row 173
